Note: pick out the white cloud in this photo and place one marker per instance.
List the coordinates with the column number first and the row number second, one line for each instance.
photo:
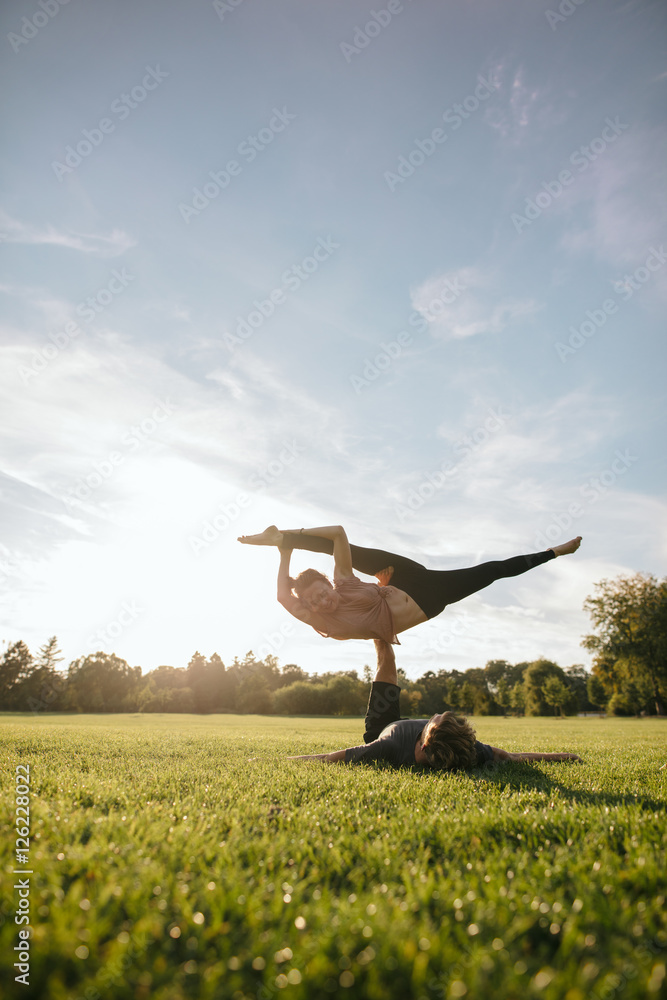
column 626, row 207
column 228, row 381
column 112, row 245
column 468, row 301
column 520, row 108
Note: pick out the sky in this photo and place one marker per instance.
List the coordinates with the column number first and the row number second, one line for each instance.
column 396, row 267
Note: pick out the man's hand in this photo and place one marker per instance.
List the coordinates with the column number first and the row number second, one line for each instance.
column 499, row 754
column 545, row 756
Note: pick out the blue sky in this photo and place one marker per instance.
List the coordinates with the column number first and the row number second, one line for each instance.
column 397, row 267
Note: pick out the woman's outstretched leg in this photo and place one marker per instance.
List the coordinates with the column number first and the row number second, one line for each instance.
column 443, row 587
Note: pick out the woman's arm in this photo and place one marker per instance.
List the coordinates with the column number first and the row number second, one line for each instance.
column 332, row 532
column 499, row 754
column 285, row 595
column 341, row 547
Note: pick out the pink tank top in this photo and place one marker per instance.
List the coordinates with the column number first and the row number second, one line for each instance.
column 363, row 609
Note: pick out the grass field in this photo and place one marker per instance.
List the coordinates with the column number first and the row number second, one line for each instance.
column 166, row 864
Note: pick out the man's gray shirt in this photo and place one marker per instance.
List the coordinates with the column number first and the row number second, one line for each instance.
column 396, row 744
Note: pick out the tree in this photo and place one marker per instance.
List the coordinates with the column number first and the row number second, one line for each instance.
column 503, row 693
column 629, row 643
column 413, row 703
column 496, row 671
column 44, row 689
column 556, row 693
column 534, row 678
column 157, row 696
column 434, row 689
column 102, row 682
column 596, row 692
column 49, row 654
column 253, row 696
column 15, row 667
column 575, row 679
column 466, row 697
column 212, row 689
column 301, row 698
column 291, row 673
column 345, row 695
column 518, row 697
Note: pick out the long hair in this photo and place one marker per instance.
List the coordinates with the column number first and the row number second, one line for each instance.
column 451, row 744
column 305, row 579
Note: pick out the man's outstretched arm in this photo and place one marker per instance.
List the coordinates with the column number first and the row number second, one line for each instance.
column 499, row 754
column 335, row 757
column 386, row 662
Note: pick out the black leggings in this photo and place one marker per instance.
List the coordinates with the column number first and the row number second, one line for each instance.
column 431, row 589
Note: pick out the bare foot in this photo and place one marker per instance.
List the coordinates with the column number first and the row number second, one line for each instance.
column 270, row 536
column 385, row 575
column 567, row 547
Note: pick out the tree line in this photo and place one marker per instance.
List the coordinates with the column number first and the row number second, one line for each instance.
column 629, row 677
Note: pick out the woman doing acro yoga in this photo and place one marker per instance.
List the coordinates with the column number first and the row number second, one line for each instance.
column 352, row 609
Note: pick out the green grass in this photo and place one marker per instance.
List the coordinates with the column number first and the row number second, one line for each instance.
column 168, row 865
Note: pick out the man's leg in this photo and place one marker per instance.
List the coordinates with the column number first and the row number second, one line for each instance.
column 383, row 701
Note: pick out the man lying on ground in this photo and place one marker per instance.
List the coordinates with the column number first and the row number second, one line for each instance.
column 445, row 741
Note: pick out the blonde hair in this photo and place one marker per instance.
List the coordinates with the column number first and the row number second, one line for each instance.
column 451, row 744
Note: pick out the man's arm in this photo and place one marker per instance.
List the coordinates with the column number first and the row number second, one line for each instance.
column 336, row 757
column 364, row 754
column 386, row 665
column 505, row 755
